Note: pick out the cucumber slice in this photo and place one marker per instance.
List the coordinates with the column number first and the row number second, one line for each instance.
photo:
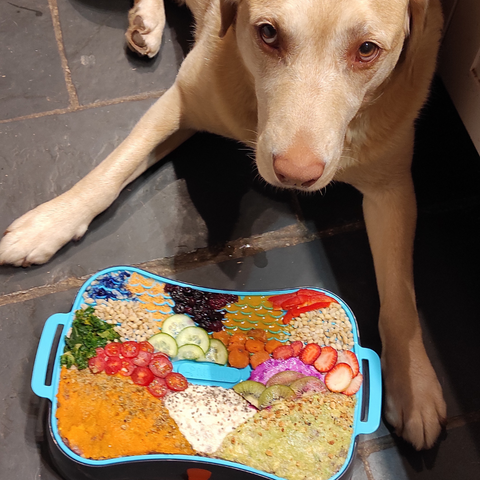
column 176, row 323
column 194, row 335
column 190, row 352
column 217, row 353
column 162, row 342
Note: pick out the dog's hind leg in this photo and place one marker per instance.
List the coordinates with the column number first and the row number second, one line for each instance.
column 37, row 235
column 146, row 23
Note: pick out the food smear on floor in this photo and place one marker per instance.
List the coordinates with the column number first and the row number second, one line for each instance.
column 101, row 417
column 319, row 430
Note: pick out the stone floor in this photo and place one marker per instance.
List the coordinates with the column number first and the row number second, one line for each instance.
column 70, row 92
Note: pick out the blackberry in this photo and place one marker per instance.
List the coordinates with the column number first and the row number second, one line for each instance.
column 204, row 307
column 179, row 308
column 216, row 326
column 170, row 287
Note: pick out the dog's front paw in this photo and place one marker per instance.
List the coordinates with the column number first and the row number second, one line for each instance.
column 414, row 402
column 36, row 236
column 146, row 24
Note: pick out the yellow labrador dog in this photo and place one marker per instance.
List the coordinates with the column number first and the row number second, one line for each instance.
column 323, row 90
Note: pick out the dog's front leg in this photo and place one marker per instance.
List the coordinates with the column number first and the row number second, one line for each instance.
column 37, row 235
column 414, row 402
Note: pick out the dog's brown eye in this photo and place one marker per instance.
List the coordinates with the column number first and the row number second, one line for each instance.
column 268, row 34
column 368, row 51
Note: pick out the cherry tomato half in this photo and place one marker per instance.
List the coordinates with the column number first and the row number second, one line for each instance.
column 96, row 364
column 142, row 359
column 113, row 349
column 113, row 365
column 146, row 347
column 127, row 367
column 99, row 351
column 161, row 366
column 158, row 387
column 142, row 376
column 176, row 381
column 129, row 349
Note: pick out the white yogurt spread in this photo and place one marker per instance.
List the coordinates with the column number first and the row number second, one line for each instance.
column 206, row 415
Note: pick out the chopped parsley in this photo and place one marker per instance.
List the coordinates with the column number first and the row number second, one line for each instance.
column 88, row 333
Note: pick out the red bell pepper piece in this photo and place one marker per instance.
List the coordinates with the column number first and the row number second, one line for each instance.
column 304, row 300
column 296, row 311
column 320, row 296
column 277, row 300
column 296, row 301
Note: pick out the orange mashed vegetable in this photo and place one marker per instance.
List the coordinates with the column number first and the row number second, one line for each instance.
column 101, row 416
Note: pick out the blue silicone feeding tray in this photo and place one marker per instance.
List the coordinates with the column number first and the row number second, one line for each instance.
column 112, row 283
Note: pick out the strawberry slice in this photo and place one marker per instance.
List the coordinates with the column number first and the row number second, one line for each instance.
column 354, row 386
column 310, row 353
column 339, row 377
column 347, row 356
column 297, row 347
column 283, row 352
column 327, row 359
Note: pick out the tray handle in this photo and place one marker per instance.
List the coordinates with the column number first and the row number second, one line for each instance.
column 372, row 391
column 44, row 351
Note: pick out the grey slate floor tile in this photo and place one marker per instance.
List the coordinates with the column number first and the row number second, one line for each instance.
column 31, row 75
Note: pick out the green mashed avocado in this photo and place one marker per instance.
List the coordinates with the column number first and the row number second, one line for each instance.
column 303, row 439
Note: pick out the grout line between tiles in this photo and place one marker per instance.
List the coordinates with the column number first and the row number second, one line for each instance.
column 72, row 91
column 367, row 468
column 80, row 108
column 285, row 237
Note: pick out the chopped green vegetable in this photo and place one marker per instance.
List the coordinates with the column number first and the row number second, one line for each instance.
column 88, row 333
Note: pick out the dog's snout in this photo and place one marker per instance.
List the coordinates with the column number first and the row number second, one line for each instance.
column 299, row 166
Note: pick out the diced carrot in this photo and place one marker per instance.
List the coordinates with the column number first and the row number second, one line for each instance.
column 223, row 336
column 259, row 357
column 238, row 358
column 258, row 334
column 238, row 347
column 271, row 345
column 254, row 346
column 238, row 337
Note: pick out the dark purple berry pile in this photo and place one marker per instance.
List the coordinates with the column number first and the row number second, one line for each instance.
column 203, row 307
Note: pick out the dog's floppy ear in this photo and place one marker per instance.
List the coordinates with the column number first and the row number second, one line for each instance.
column 414, row 26
column 228, row 12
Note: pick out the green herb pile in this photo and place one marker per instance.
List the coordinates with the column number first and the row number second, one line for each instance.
column 88, row 333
